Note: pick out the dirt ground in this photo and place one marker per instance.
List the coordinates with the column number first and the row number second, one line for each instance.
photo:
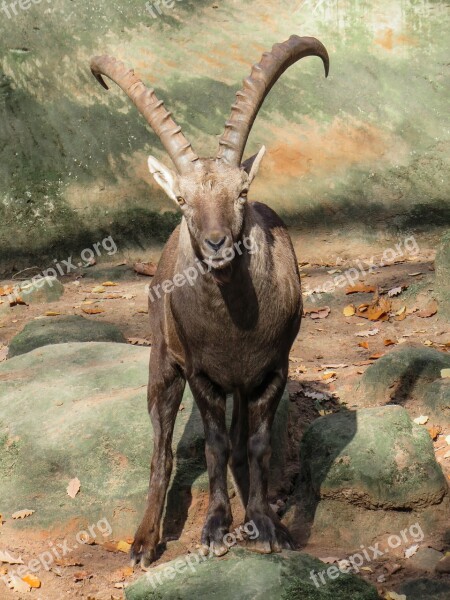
column 326, row 357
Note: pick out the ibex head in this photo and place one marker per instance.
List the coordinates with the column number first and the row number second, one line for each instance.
column 211, row 192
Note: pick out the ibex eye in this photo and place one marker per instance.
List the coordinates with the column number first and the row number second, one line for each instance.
column 181, row 201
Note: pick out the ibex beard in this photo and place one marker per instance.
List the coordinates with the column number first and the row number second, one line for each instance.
column 231, row 333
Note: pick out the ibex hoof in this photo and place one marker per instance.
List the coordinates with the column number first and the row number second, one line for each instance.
column 272, row 535
column 142, row 554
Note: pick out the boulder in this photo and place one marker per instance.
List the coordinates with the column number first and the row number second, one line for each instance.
column 429, row 589
column 43, row 291
column 61, row 329
column 442, row 266
column 409, row 374
column 248, row 576
column 373, row 468
column 81, row 411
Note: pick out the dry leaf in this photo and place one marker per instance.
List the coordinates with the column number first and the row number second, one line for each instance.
column 32, row 581
column 92, row 311
column 18, row 585
column 110, row 546
column 421, row 420
column 445, row 373
column 109, row 284
column 389, row 343
column 376, row 356
column 6, row 557
column 318, row 313
column 98, row 289
column 52, row 313
column 364, row 345
column 81, row 575
column 415, row 274
column 367, row 333
column 123, row 546
column 148, row 269
column 6, row 291
column 349, row 310
column 74, row 487
column 139, row 342
column 378, row 310
column 411, row 550
column 112, row 297
column 430, row 310
column 329, row 375
column 22, row 514
column 395, row 291
column 359, row 288
column 394, row 596
column 330, row 560
column 447, row 439
column 434, row 431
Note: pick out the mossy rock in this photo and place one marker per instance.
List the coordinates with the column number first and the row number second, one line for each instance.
column 376, row 458
column 409, row 374
column 62, row 329
column 43, row 291
column 442, row 265
column 247, row 576
column 81, row 411
column 429, row 589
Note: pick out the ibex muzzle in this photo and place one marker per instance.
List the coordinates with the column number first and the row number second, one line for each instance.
column 232, row 330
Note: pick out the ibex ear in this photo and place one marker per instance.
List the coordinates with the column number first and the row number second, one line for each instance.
column 164, row 177
column 251, row 165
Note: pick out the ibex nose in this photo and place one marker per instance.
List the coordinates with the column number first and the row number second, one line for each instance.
column 216, row 241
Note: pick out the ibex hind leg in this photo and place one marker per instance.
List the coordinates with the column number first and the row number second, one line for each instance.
column 165, row 391
column 239, row 440
column 273, row 536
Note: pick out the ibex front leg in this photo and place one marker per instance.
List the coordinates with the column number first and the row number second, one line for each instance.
column 212, row 402
column 165, row 391
column 273, row 536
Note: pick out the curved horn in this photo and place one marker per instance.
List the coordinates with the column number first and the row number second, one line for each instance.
column 256, row 87
column 152, row 109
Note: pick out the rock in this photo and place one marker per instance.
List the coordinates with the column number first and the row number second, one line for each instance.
column 43, row 291
column 81, row 411
column 442, row 265
column 425, row 559
column 247, row 576
column 373, row 468
column 374, row 458
column 409, row 374
column 426, row 589
column 58, row 330
column 443, row 566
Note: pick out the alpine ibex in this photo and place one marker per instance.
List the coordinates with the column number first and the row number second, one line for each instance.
column 232, row 331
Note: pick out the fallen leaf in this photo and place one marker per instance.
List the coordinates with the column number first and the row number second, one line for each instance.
column 434, row 431
column 415, row 274
column 411, row 550
column 447, row 439
column 377, row 311
column 32, row 580
column 428, row 343
column 445, row 373
column 128, row 296
column 359, row 288
column 18, row 585
column 6, row 291
column 22, row 514
column 108, row 284
column 364, row 345
column 430, row 310
column 389, row 343
column 6, row 557
column 395, row 291
column 110, row 546
column 421, row 420
column 447, row 454
column 367, row 333
column 394, row 596
column 367, row 569
column 112, row 297
column 318, row 313
column 139, row 342
column 148, row 269
column 92, row 311
column 329, row 560
column 74, row 487
column 98, row 289
column 81, row 575
column 123, row 546
column 329, row 375
column 349, row 310
column 376, row 356
column 52, row 313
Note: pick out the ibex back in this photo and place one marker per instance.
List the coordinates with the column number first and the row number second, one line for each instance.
column 232, row 330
